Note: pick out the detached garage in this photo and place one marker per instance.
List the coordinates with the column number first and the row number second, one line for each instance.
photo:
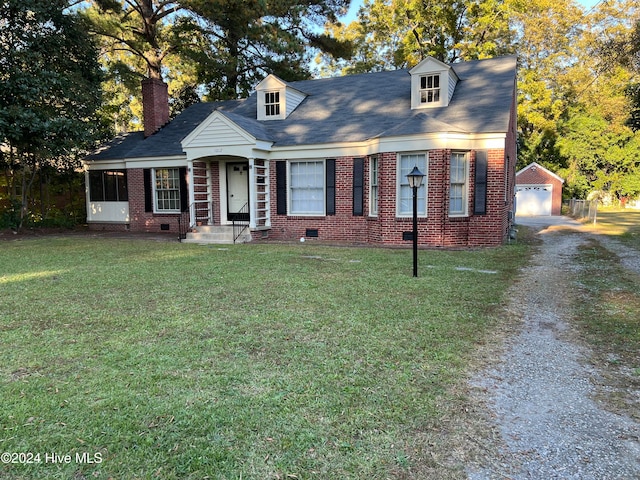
column 538, row 191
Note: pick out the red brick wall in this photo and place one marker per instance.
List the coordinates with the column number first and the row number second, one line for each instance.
column 342, row 227
column 437, row 229
column 155, row 105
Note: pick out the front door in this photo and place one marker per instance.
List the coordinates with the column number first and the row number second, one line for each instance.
column 238, row 191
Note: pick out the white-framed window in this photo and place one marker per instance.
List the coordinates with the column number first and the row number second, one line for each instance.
column 458, row 184
column 166, row 190
column 430, row 88
column 306, row 187
column 373, row 186
column 272, row 104
column 108, row 186
column 406, row 162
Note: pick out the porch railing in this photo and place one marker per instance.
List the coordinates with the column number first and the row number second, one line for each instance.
column 200, row 212
column 240, row 222
column 183, row 225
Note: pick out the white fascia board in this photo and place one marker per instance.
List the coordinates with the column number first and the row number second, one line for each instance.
column 259, row 149
column 436, row 141
column 270, row 82
column 158, row 162
column 104, row 164
column 444, row 141
column 325, row 150
column 428, row 65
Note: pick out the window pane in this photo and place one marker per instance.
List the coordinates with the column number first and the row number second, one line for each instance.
column 307, row 188
column 167, row 189
column 458, row 184
column 96, row 189
column 272, row 103
column 110, row 187
column 407, row 162
column 123, row 195
column 430, row 89
column 373, row 190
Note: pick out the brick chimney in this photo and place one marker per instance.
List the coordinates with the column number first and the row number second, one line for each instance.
column 155, row 105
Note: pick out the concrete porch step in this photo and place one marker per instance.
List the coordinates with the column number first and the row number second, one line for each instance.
column 216, row 234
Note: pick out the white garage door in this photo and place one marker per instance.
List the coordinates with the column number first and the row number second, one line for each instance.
column 533, row 200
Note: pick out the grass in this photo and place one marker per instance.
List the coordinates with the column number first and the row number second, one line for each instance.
column 623, row 224
column 173, row 361
column 609, row 307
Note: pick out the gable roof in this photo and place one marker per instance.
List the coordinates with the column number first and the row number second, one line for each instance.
column 533, row 166
column 352, row 108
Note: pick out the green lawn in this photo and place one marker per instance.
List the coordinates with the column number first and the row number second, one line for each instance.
column 608, row 311
column 163, row 360
column 623, row 224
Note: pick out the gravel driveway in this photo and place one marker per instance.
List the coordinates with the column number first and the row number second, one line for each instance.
column 540, row 395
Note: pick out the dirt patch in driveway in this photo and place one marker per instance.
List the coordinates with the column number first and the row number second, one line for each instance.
column 543, row 408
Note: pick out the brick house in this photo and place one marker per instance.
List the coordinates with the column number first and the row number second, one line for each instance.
column 538, row 191
column 324, row 159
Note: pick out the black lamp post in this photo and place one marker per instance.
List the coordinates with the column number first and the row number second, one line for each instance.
column 415, row 180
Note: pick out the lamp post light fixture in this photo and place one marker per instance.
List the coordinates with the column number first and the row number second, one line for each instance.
column 415, row 180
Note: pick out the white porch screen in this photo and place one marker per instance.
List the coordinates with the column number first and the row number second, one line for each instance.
column 306, row 185
column 405, row 202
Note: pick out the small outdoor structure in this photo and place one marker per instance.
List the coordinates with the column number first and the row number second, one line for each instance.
column 538, row 191
column 324, row 160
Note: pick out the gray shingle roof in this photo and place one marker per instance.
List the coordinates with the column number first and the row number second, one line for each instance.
column 349, row 109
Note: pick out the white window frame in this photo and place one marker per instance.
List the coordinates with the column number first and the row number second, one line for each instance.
column 425, row 92
column 291, row 166
column 374, row 178
column 272, row 104
column 402, row 185
column 461, row 191
column 156, row 191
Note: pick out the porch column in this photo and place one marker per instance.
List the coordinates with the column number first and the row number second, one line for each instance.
column 190, row 186
column 252, row 194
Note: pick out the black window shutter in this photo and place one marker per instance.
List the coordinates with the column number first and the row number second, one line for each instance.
column 148, row 191
column 331, row 187
column 281, row 188
column 358, row 186
column 480, row 189
column 184, row 190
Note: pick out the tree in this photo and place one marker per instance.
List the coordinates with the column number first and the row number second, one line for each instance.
column 252, row 39
column 49, row 91
column 140, row 28
column 548, row 34
column 392, row 34
column 217, row 48
column 596, row 134
column 602, row 156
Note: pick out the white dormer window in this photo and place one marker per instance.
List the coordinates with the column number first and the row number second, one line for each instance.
column 430, row 88
column 272, row 104
column 432, row 84
column 276, row 99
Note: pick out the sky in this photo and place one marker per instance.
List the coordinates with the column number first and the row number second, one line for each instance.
column 355, row 5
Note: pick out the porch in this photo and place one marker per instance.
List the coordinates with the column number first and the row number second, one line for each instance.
column 228, row 200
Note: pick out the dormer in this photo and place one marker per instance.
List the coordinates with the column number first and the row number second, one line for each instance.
column 432, row 84
column 276, row 98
